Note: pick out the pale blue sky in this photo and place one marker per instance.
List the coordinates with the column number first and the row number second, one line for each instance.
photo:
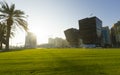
column 49, row 18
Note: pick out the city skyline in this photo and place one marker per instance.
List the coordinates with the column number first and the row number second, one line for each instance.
column 49, row 18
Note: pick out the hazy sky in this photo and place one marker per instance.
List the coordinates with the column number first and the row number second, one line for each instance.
column 49, row 18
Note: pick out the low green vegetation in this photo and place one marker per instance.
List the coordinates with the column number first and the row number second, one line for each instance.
column 61, row 62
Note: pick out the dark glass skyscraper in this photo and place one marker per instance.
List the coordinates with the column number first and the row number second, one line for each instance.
column 90, row 30
column 115, row 34
column 72, row 36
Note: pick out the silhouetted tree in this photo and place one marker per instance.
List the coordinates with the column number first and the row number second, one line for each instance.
column 12, row 17
column 2, row 34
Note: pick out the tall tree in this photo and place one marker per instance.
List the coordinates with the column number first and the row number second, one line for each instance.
column 2, row 34
column 12, row 17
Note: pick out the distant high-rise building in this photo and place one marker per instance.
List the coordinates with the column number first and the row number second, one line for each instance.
column 72, row 36
column 115, row 34
column 113, row 37
column 58, row 42
column 106, row 40
column 30, row 41
column 90, row 30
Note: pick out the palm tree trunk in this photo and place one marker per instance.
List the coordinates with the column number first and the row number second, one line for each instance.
column 9, row 23
column 0, row 45
column 1, row 41
column 7, row 37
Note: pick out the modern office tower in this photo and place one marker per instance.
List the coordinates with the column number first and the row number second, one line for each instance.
column 72, row 36
column 90, row 30
column 106, row 40
column 115, row 34
column 30, row 41
column 113, row 37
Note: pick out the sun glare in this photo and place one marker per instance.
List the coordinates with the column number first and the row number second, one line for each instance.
column 42, row 36
column 41, row 28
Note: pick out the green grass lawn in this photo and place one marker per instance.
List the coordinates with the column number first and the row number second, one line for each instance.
column 61, row 62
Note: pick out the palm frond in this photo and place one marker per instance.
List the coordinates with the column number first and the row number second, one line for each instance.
column 18, row 13
column 4, row 7
column 2, row 16
column 12, row 8
column 22, row 23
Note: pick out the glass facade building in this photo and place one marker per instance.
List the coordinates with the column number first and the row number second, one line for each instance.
column 72, row 36
column 115, row 34
column 90, row 30
column 30, row 40
column 106, row 40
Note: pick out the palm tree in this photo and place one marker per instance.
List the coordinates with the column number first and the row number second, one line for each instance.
column 2, row 34
column 12, row 17
column 3, row 29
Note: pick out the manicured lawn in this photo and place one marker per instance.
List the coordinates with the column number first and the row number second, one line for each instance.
column 61, row 62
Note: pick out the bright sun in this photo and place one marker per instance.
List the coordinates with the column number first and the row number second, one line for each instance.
column 42, row 36
column 40, row 27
